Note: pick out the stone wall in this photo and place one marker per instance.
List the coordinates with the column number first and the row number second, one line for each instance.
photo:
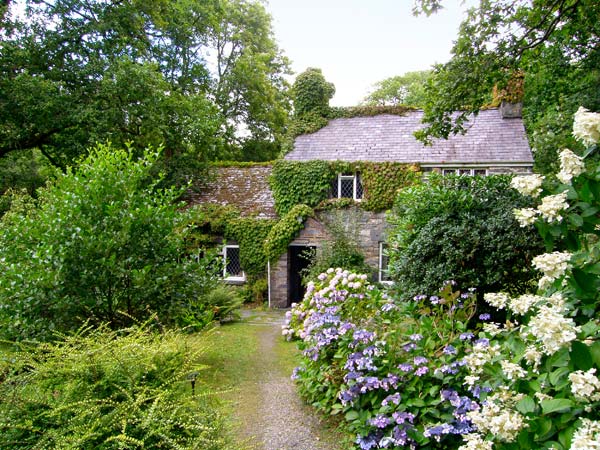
column 367, row 227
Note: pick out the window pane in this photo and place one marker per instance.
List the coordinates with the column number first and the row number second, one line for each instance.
column 347, row 188
column 334, row 188
column 449, row 171
column 481, row 172
column 233, row 268
column 464, row 172
column 359, row 187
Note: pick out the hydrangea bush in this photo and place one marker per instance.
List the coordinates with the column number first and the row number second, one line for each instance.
column 544, row 390
column 397, row 381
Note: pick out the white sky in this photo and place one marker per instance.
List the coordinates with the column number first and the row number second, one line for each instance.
column 360, row 42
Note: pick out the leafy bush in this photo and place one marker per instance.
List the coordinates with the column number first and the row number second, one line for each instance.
column 98, row 242
column 394, row 369
column 460, row 228
column 102, row 389
column 543, row 377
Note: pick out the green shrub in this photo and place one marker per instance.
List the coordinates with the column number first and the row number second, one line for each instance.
column 102, row 389
column 224, row 301
column 100, row 240
column 462, row 229
column 284, row 231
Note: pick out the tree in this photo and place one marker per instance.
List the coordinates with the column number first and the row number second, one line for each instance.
column 407, row 89
column 78, row 72
column 552, row 42
column 100, row 244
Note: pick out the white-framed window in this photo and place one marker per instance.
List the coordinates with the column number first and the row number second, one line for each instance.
column 384, row 276
column 232, row 267
column 464, row 171
column 348, row 186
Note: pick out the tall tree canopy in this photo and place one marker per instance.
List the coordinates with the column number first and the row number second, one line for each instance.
column 187, row 73
column 554, row 44
column 407, row 89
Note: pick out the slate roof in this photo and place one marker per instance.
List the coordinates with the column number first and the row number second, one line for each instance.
column 489, row 139
column 246, row 188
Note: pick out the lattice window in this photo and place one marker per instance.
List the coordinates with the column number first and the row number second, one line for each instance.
column 348, row 186
column 464, row 171
column 232, row 268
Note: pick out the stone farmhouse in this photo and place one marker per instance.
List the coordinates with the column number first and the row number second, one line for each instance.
column 495, row 142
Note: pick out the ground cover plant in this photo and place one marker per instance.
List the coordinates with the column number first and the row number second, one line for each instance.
column 103, row 389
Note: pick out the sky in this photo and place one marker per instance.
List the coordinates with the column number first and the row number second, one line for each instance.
column 357, row 43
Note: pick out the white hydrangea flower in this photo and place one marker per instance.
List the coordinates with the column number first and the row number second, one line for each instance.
column 497, row 299
column 528, row 184
column 571, row 166
column 512, row 371
column 474, row 441
column 504, row 423
column 586, row 126
column 491, row 328
column 525, row 216
column 479, row 356
column 552, row 329
column 587, row 436
column 552, row 205
column 533, row 356
column 470, row 380
column 585, row 385
column 522, row 304
column 553, row 265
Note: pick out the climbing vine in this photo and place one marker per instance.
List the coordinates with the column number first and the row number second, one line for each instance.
column 250, row 234
column 294, row 182
column 310, row 182
column 284, row 231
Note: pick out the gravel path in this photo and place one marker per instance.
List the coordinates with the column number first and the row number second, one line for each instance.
column 282, row 421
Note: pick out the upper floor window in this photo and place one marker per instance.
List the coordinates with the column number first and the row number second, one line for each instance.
column 348, row 186
column 232, row 267
column 464, row 171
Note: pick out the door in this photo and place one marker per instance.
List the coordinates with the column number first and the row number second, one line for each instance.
column 298, row 259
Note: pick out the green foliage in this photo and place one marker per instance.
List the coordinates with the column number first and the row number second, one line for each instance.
column 250, row 234
column 340, row 249
column 460, row 228
column 99, row 242
column 545, row 35
column 392, row 371
column 147, row 81
column 284, row 231
column 407, row 89
column 224, row 301
column 24, row 170
column 209, row 221
column 295, row 182
column 311, row 93
column 101, row 389
column 310, row 182
column 552, row 339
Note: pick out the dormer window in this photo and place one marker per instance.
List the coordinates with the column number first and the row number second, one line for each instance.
column 348, row 186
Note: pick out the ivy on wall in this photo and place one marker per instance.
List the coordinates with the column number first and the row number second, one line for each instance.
column 294, row 182
column 284, row 231
column 250, row 234
column 310, row 182
column 212, row 221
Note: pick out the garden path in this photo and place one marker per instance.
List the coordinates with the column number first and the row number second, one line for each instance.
column 280, row 420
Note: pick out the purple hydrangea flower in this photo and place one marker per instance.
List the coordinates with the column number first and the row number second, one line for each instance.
column 466, row 336
column 380, row 421
column 415, row 337
column 449, row 350
column 409, row 347
column 484, row 317
column 421, row 371
column 420, row 360
column 405, row 367
column 394, row 398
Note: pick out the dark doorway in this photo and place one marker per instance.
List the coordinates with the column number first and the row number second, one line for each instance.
column 298, row 259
